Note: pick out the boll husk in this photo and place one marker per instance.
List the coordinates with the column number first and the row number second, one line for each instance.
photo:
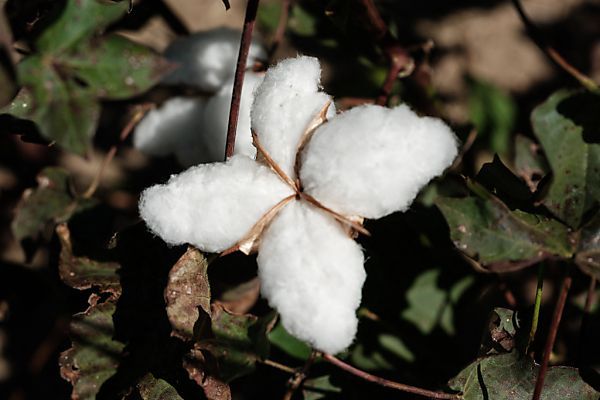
column 367, row 162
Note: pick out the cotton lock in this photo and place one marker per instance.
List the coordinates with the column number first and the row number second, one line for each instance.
column 299, row 202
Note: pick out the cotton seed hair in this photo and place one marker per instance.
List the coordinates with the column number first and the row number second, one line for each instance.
column 367, row 162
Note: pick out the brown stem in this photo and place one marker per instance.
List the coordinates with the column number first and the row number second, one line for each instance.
column 240, row 71
column 555, row 56
column 281, row 367
column 387, row 383
column 281, row 26
column 400, row 62
column 138, row 114
column 299, row 377
column 558, row 311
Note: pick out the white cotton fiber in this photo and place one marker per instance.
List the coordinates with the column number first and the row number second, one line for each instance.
column 371, row 161
column 212, row 206
column 207, row 59
column 216, row 118
column 312, row 273
column 284, row 104
column 176, row 121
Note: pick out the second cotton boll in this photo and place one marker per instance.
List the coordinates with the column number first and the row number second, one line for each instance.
column 194, row 129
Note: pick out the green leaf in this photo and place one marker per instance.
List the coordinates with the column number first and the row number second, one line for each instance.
column 560, row 128
column 500, row 239
column 65, row 112
column 301, row 22
column 268, row 16
column 80, row 20
column 187, row 289
column 512, row 377
column 82, row 272
column 493, row 113
column 320, row 388
column 115, row 68
column 94, row 356
column 588, row 251
column 530, row 163
column 239, row 341
column 40, row 209
column 281, row 339
column 500, row 336
column 151, row 388
column 8, row 85
column 430, row 306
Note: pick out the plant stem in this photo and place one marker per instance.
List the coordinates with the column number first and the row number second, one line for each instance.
column 281, row 367
column 299, row 376
column 387, row 383
column 558, row 311
column 400, row 62
column 537, row 305
column 240, row 71
column 554, row 55
column 138, row 114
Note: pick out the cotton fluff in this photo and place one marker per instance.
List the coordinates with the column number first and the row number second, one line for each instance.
column 367, row 162
column 312, row 273
column 208, row 59
column 383, row 158
column 195, row 129
column 212, row 206
column 284, row 105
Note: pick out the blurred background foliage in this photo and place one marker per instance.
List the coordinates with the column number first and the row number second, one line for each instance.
column 428, row 311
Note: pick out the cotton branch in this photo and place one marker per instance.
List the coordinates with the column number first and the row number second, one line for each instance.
column 555, row 56
column 240, row 71
column 401, row 63
column 556, row 317
column 387, row 383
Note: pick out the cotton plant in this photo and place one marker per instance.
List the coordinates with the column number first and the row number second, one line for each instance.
column 300, row 204
column 193, row 128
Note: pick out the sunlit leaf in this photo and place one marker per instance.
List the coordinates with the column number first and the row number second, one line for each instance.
column 79, row 20
column 500, row 239
column 94, row 356
column 82, row 272
column 512, row 377
column 187, row 289
column 114, row 67
column 566, row 136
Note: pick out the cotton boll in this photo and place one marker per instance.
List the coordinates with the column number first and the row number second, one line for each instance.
column 207, row 59
column 161, row 129
column 312, row 273
column 212, row 206
column 216, row 118
column 372, row 161
column 284, row 105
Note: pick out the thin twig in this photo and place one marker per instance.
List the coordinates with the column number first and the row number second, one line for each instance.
column 465, row 148
column 558, row 311
column 401, row 63
column 281, row 367
column 240, row 71
column 140, row 111
column 537, row 305
column 554, row 55
column 281, row 26
column 299, row 377
column 387, row 383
